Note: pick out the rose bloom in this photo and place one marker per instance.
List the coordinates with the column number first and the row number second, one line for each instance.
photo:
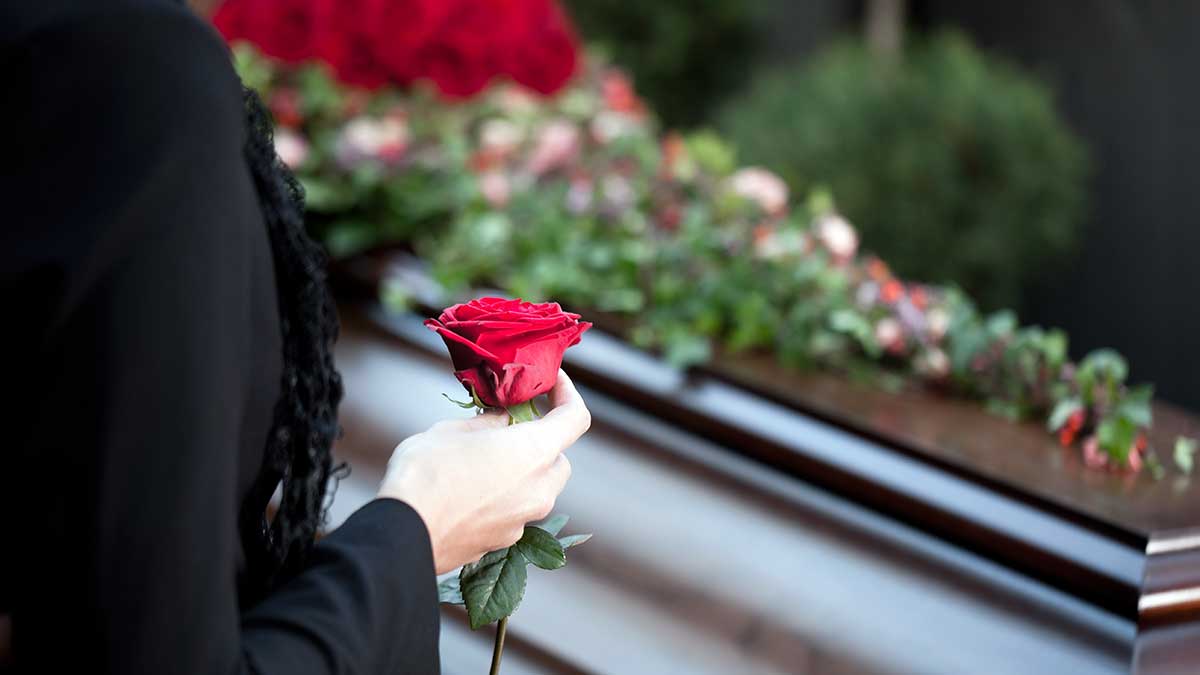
column 556, row 144
column 937, row 322
column 934, row 364
column 890, row 335
column 284, row 29
column 838, row 236
column 499, row 137
column 1092, row 455
column 495, row 188
column 507, row 351
column 291, row 147
column 539, row 48
column 761, row 187
column 369, row 138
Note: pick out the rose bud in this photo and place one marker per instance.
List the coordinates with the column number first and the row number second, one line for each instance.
column 838, row 236
column 1092, row 455
column 507, row 351
column 291, row 147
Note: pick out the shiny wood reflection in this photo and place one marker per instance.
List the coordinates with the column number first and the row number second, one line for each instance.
column 705, row 562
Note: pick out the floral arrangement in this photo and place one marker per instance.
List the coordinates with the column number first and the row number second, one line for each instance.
column 506, row 353
column 580, row 198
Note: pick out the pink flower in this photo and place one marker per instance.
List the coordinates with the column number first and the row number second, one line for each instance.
column 556, row 144
column 761, row 187
column 367, row 138
column 499, row 137
column 496, row 188
column 291, row 147
column 838, row 236
column 890, row 335
column 1092, row 455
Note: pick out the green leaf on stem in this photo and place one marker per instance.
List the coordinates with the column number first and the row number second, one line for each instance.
column 1135, row 406
column 1116, row 436
column 573, row 540
column 541, row 548
column 493, row 587
column 1185, row 450
column 554, row 524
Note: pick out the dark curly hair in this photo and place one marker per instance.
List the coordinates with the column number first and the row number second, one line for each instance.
column 298, row 457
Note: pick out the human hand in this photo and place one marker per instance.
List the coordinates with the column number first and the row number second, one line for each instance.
column 477, row 482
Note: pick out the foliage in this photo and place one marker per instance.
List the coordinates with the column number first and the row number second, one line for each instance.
column 579, row 198
column 954, row 165
column 685, row 55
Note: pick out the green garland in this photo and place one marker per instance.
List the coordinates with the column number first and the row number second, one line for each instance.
column 579, row 198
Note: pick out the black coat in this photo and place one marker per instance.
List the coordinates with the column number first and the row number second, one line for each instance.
column 141, row 364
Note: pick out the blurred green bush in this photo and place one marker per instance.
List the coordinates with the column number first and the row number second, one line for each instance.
column 954, row 166
column 684, row 55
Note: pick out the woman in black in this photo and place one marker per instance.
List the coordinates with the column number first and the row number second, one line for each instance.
column 168, row 341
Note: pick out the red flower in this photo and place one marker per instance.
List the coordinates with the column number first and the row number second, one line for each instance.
column 618, row 93
column 283, row 29
column 285, row 107
column 538, row 46
column 402, row 28
column 891, row 292
column 508, row 351
column 344, row 39
column 1071, row 428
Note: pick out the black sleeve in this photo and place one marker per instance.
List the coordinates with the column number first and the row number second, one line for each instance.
column 133, row 255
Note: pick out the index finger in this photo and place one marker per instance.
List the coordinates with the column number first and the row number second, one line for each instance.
column 566, row 421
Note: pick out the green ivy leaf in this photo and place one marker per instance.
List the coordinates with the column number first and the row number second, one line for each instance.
column 541, row 548
column 493, row 587
column 1185, row 451
column 1135, row 406
column 1115, row 436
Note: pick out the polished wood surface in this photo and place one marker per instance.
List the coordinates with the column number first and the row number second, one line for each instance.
column 708, row 562
column 1022, row 457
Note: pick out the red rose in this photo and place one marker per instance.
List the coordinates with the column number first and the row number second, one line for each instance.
column 463, row 55
column 281, row 28
column 509, row 351
column 401, row 29
column 344, row 39
column 541, row 51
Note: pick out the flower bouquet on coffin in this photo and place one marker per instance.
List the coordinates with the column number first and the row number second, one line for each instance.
column 506, row 353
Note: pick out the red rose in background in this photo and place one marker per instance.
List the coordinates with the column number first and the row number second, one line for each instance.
column 539, row 49
column 401, row 28
column 509, row 351
column 343, row 38
column 284, row 29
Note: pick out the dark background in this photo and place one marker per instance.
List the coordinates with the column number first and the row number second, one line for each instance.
column 1125, row 74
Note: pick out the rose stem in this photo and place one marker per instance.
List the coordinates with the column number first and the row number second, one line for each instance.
column 498, row 650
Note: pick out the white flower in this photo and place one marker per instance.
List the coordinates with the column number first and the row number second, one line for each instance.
column 937, row 322
column 934, row 363
column 761, row 186
column 291, row 147
column 495, row 188
column 556, row 144
column 889, row 334
column 608, row 126
column 499, row 136
column 369, row 138
column 837, row 235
